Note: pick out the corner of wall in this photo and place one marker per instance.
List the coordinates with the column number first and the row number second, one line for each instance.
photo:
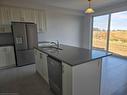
column 86, row 36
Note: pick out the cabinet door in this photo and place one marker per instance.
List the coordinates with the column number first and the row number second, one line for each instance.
column 11, row 56
column 87, row 78
column 41, row 64
column 37, row 61
column 44, row 66
column 67, row 79
column 7, row 57
column 3, row 54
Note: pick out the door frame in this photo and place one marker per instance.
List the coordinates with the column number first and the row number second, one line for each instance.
column 108, row 32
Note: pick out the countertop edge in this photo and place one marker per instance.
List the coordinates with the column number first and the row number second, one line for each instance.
column 69, row 63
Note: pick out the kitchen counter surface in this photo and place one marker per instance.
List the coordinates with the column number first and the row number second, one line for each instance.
column 74, row 55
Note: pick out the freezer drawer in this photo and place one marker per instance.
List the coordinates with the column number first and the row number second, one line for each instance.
column 25, row 57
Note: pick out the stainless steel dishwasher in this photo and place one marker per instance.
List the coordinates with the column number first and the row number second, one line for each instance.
column 55, row 75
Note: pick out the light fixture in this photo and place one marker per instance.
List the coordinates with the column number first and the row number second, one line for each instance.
column 89, row 10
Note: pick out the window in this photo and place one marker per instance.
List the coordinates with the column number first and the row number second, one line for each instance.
column 110, row 33
column 118, row 33
column 100, row 29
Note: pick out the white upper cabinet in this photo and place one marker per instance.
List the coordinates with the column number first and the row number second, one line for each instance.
column 9, row 14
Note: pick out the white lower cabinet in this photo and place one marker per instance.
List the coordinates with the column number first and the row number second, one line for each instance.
column 7, row 56
column 44, row 66
column 82, row 79
column 37, row 61
column 67, row 79
column 41, row 64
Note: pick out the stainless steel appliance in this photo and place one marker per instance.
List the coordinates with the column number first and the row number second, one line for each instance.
column 55, row 75
column 25, row 39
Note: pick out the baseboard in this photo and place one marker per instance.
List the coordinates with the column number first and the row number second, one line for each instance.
column 7, row 67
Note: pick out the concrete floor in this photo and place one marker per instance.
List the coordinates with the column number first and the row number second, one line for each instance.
column 114, row 76
column 22, row 81
column 25, row 81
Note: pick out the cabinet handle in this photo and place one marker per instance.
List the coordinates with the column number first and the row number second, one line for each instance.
column 40, row 55
column 62, row 68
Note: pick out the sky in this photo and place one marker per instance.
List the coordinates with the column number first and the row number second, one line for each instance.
column 118, row 21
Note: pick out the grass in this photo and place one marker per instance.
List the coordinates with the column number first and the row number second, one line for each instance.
column 117, row 42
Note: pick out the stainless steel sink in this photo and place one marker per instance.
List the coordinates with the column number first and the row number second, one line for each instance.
column 52, row 49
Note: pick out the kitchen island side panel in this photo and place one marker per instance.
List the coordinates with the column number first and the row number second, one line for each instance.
column 86, row 78
column 67, row 79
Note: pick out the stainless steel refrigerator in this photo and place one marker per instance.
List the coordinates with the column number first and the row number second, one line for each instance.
column 25, row 39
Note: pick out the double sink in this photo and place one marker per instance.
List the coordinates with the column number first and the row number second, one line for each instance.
column 52, row 48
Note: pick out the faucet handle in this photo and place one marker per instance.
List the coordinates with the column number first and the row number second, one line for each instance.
column 57, row 43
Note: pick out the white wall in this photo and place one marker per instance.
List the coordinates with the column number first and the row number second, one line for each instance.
column 86, row 34
column 64, row 27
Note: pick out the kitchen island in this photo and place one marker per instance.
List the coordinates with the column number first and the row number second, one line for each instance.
column 70, row 70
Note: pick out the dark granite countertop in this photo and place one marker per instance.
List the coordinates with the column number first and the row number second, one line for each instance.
column 74, row 55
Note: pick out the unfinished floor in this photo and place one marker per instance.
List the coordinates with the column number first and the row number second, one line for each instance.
column 25, row 80
column 22, row 81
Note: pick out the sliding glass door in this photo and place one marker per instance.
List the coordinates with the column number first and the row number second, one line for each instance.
column 118, row 34
column 100, row 29
column 110, row 33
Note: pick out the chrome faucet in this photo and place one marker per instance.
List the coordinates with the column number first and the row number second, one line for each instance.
column 55, row 43
column 58, row 44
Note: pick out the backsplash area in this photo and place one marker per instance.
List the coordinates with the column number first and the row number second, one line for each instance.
column 6, row 39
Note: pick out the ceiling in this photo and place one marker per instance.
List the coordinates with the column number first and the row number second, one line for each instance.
column 68, row 4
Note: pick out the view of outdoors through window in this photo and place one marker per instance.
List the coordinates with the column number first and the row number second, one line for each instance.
column 100, row 26
column 117, row 42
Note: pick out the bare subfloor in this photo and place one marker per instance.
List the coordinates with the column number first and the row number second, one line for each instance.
column 22, row 81
column 25, row 81
column 114, row 76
